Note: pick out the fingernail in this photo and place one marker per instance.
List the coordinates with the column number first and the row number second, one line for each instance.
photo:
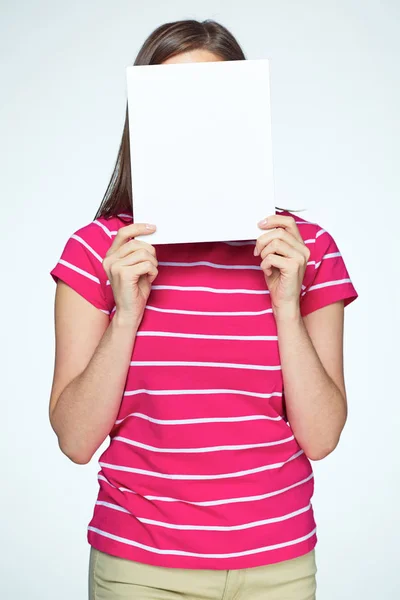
column 150, row 226
column 256, row 251
column 263, row 222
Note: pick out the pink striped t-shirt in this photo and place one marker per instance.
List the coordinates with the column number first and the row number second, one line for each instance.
column 202, row 470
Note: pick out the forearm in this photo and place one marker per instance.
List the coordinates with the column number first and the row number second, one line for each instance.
column 315, row 406
column 87, row 408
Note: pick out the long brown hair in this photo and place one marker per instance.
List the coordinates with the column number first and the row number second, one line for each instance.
column 164, row 42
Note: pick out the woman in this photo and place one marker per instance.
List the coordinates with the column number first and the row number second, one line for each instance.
column 195, row 358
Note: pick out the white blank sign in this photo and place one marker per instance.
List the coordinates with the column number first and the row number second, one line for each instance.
column 201, row 152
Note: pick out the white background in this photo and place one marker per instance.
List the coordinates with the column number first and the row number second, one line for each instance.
column 336, row 132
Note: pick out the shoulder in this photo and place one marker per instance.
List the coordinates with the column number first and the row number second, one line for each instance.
column 98, row 235
column 80, row 263
column 326, row 279
column 314, row 235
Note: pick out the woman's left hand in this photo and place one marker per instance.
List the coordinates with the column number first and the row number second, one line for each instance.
column 284, row 260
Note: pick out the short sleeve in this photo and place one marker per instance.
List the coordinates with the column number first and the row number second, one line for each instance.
column 80, row 265
column 329, row 280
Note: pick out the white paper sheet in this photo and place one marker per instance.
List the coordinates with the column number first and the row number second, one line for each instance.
column 201, row 151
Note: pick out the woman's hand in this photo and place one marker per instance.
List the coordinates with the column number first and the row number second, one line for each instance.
column 284, row 259
column 131, row 267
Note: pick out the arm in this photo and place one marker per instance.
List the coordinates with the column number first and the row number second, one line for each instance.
column 91, row 364
column 92, row 354
column 310, row 329
column 311, row 351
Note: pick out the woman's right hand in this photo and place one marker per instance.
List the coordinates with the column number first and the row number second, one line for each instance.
column 131, row 268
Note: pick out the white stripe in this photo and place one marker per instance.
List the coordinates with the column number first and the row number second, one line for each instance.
column 82, row 241
column 201, row 336
column 330, row 255
column 113, row 506
column 78, row 270
column 125, row 215
column 241, row 527
column 326, row 284
column 186, row 477
column 205, row 263
column 201, row 450
column 178, row 363
column 198, row 420
column 214, row 502
column 196, row 554
column 208, row 289
column 107, row 312
column 204, row 391
column 176, row 311
column 104, row 228
column 320, row 232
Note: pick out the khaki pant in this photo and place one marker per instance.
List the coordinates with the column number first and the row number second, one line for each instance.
column 113, row 578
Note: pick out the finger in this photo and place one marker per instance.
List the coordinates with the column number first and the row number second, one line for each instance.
column 287, row 223
column 137, row 257
column 130, row 231
column 133, row 246
column 278, row 233
column 143, row 268
column 273, row 260
column 281, row 248
column 152, row 276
